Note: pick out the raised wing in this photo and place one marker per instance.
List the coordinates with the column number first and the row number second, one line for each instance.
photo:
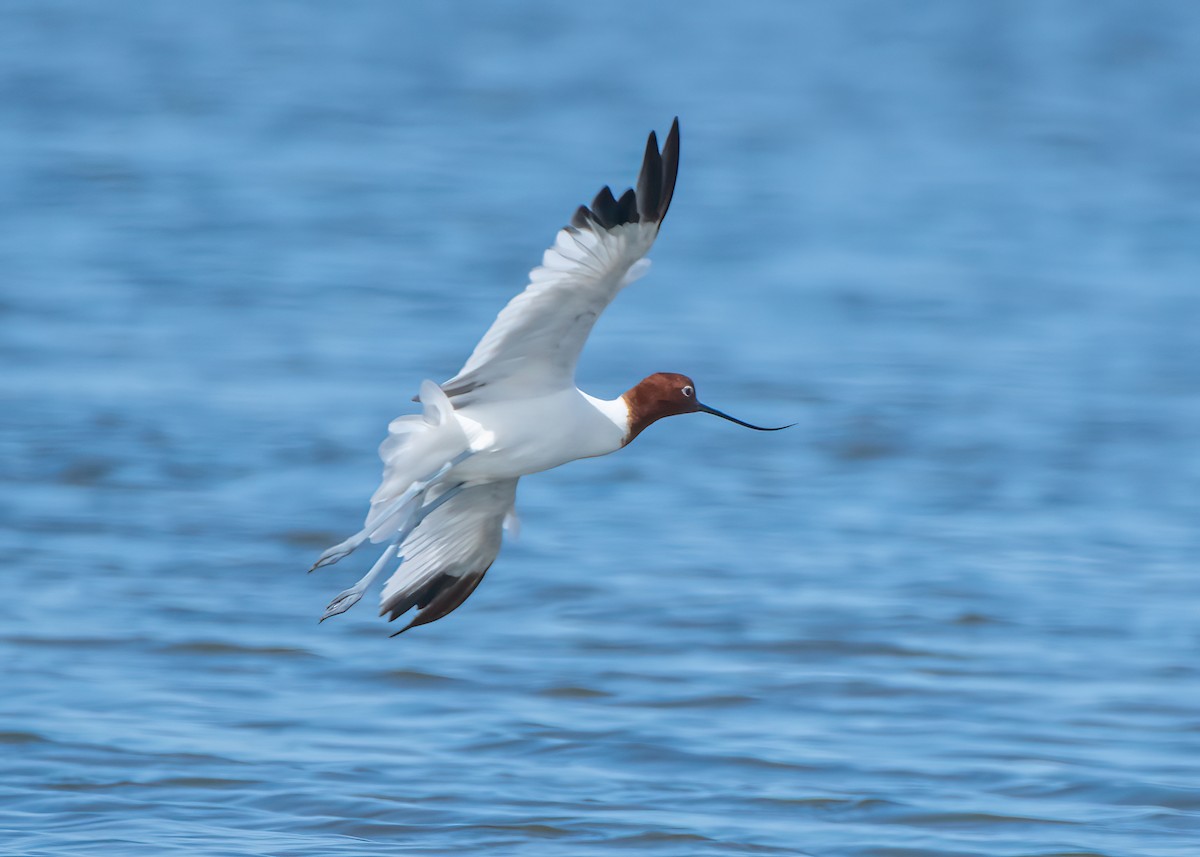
column 448, row 554
column 533, row 345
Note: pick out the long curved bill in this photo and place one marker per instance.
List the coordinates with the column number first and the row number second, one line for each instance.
column 717, row 413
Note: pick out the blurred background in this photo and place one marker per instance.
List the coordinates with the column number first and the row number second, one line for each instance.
column 953, row 612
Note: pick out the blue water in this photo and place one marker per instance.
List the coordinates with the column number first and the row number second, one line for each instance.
column 955, row 611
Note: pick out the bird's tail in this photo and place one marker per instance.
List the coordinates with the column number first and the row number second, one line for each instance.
column 418, row 451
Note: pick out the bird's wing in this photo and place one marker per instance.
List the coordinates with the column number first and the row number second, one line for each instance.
column 448, row 554
column 534, row 343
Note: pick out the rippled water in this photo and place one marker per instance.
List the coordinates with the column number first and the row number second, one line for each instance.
column 954, row 612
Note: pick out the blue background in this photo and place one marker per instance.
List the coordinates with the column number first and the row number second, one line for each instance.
column 953, row 612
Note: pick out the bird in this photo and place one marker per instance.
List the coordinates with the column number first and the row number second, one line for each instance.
column 450, row 473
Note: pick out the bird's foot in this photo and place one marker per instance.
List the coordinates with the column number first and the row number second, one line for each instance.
column 343, row 602
column 335, row 553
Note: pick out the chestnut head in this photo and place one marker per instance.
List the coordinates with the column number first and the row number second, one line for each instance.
column 665, row 394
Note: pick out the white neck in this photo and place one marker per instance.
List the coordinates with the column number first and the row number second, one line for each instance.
column 615, row 410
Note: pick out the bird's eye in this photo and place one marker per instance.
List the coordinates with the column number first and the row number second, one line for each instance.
column 687, row 391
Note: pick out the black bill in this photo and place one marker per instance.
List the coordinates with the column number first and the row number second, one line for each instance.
column 717, row 413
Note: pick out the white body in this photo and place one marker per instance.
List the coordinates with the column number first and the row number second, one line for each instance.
column 512, row 438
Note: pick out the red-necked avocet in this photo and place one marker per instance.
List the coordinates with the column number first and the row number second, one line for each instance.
column 450, row 474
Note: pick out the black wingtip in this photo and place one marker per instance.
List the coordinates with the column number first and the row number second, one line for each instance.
column 582, row 218
column 649, row 184
column 670, row 156
column 438, row 598
column 652, row 197
column 605, row 210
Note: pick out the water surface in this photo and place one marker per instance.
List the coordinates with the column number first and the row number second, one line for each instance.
column 953, row 612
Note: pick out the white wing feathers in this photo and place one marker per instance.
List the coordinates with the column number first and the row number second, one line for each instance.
column 534, row 344
column 446, row 557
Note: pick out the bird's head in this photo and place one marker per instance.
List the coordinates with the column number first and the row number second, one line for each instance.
column 665, row 394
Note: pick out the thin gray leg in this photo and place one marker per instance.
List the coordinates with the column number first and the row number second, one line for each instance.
column 416, row 490
column 349, row 597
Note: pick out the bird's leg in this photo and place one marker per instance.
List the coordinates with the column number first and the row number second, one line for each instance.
column 431, row 507
column 349, row 597
column 414, row 491
column 337, row 552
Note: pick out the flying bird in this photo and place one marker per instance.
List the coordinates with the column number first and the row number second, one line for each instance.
column 450, row 473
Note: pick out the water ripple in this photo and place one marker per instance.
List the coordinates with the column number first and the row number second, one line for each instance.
column 951, row 613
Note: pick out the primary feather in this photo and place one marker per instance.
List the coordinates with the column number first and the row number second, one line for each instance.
column 534, row 344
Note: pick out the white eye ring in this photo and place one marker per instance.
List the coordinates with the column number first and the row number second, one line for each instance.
column 687, row 391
